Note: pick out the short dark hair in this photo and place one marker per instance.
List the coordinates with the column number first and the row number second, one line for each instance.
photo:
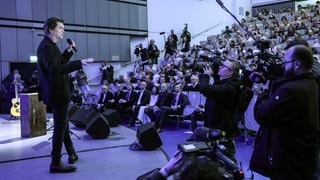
column 200, row 168
column 51, row 23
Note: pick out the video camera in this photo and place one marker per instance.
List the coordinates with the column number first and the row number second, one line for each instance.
column 269, row 67
column 206, row 145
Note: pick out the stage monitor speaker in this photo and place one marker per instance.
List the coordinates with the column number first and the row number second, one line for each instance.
column 148, row 137
column 98, row 127
column 113, row 117
column 82, row 116
column 72, row 109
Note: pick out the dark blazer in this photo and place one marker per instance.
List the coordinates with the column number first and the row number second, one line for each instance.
column 164, row 99
column 131, row 99
column 106, row 102
column 54, row 69
column 145, row 99
column 182, row 101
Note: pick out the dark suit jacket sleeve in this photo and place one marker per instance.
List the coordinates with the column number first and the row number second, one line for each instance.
column 183, row 100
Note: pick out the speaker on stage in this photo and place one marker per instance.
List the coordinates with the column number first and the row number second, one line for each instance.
column 72, row 109
column 82, row 116
column 98, row 127
column 113, row 117
column 148, row 137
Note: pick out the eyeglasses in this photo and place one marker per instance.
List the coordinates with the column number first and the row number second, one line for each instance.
column 222, row 65
column 285, row 62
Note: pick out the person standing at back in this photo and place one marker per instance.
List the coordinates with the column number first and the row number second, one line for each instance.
column 54, row 90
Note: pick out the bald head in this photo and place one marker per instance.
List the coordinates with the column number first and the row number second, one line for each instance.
column 302, row 54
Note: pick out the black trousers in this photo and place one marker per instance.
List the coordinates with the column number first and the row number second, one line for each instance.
column 61, row 133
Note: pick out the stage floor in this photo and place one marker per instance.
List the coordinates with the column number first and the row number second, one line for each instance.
column 110, row 158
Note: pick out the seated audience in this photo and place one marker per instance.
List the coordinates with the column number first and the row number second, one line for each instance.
column 179, row 101
column 106, row 100
column 142, row 100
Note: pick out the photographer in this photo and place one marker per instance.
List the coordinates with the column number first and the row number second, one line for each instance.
column 221, row 102
column 143, row 53
column 192, row 168
column 287, row 111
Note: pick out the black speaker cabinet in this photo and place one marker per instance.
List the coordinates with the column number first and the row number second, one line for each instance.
column 148, row 137
column 72, row 109
column 113, row 117
column 82, row 116
column 98, row 127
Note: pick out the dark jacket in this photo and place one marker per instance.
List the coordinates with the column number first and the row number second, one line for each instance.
column 54, row 68
column 164, row 99
column 290, row 113
column 221, row 102
column 145, row 99
column 106, row 102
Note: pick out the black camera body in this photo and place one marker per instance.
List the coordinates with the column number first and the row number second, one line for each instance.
column 269, row 66
column 206, row 145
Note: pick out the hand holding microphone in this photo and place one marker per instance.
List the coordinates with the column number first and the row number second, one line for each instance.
column 72, row 44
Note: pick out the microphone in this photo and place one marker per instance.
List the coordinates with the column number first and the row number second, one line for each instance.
column 70, row 43
column 220, row 2
column 161, row 33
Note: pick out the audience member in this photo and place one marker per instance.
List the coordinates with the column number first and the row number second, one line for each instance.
column 125, row 103
column 178, row 103
column 106, row 99
column 82, row 81
column 143, row 99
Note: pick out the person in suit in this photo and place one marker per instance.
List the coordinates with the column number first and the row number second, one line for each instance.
column 106, row 100
column 194, row 86
column 178, row 102
column 221, row 98
column 54, row 89
column 164, row 99
column 127, row 100
column 142, row 99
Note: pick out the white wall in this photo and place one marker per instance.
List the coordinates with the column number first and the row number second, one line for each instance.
column 204, row 17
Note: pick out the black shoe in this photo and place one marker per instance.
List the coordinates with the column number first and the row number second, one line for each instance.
column 73, row 158
column 62, row 168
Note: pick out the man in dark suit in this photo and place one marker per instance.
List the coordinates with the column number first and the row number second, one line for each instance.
column 126, row 102
column 54, row 68
column 106, row 100
column 164, row 99
column 143, row 99
column 178, row 102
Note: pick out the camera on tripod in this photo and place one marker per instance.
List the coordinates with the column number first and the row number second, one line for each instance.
column 269, row 66
column 206, row 145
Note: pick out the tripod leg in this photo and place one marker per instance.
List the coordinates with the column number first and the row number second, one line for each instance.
column 72, row 133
